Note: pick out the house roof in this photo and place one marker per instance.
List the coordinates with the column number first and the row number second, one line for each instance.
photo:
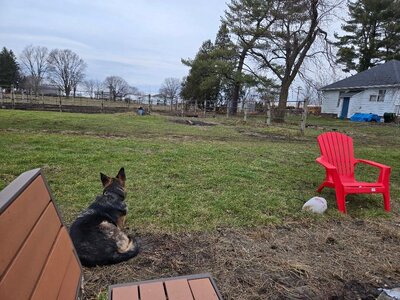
column 387, row 74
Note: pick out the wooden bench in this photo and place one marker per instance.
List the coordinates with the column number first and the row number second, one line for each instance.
column 37, row 258
column 194, row 287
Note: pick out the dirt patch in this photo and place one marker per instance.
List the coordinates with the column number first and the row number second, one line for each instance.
column 273, row 137
column 193, row 122
column 334, row 260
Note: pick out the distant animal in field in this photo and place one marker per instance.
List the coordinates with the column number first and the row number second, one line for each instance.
column 98, row 232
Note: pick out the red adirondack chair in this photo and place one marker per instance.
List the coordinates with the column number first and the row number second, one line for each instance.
column 337, row 156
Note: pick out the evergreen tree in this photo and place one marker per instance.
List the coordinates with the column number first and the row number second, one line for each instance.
column 248, row 21
column 202, row 83
column 225, row 61
column 391, row 45
column 372, row 34
column 211, row 74
column 9, row 69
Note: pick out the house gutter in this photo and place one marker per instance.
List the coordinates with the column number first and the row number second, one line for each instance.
column 359, row 87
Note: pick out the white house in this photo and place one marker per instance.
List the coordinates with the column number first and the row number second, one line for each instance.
column 376, row 91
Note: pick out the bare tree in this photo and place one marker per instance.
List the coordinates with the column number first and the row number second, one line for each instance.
column 98, row 88
column 66, row 70
column 289, row 40
column 118, row 87
column 170, row 90
column 90, row 87
column 34, row 62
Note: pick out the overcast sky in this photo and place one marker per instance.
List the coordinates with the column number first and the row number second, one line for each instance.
column 142, row 41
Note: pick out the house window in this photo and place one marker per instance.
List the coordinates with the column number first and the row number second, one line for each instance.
column 373, row 98
column 381, row 95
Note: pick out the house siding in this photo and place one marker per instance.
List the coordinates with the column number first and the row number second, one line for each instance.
column 329, row 102
column 360, row 103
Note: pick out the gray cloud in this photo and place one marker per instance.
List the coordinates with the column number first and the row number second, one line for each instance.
column 142, row 41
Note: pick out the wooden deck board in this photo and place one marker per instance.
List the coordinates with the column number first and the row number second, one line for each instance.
column 178, row 290
column 191, row 287
column 202, row 289
column 152, row 291
column 126, row 293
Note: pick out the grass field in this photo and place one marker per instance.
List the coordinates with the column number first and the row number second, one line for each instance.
column 224, row 199
column 183, row 177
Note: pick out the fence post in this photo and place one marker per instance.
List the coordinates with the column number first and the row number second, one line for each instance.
column 59, row 96
column 245, row 111
column 205, row 108
column 149, row 104
column 1, row 96
column 268, row 106
column 12, row 96
column 304, row 116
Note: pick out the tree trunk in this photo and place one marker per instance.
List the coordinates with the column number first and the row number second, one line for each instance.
column 279, row 115
column 67, row 91
column 237, row 84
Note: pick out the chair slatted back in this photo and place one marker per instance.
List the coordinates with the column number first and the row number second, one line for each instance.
column 337, row 149
column 38, row 260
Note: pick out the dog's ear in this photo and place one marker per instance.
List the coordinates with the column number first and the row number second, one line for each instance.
column 121, row 175
column 105, row 179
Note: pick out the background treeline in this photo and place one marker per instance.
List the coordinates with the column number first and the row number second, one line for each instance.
column 261, row 47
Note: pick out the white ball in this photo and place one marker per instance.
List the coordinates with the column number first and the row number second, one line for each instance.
column 316, row 204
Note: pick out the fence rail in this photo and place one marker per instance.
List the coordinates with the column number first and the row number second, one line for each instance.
column 77, row 104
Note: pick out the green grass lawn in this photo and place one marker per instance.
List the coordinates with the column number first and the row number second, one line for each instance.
column 182, row 177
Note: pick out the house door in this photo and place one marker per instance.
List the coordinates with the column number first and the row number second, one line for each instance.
column 345, row 108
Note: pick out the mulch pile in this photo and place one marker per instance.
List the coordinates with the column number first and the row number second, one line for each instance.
column 347, row 259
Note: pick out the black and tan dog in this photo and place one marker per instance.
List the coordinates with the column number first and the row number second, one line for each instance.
column 97, row 233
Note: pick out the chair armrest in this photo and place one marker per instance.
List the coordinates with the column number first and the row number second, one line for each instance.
column 384, row 173
column 331, row 172
column 326, row 164
column 372, row 163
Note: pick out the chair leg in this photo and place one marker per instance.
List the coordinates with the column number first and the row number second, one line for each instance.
column 386, row 200
column 320, row 188
column 341, row 200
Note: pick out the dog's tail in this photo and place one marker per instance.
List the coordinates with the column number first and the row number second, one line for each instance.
column 120, row 257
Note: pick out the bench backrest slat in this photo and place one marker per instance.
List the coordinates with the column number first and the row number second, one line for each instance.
column 37, row 258
column 53, row 274
column 17, row 221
